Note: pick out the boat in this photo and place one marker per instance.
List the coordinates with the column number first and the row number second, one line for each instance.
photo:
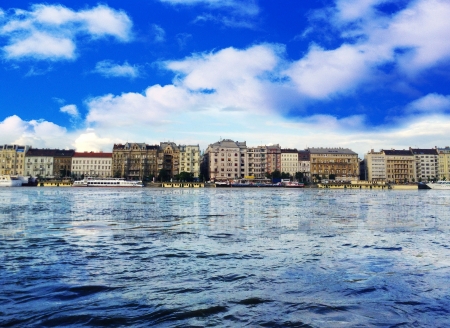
column 439, row 185
column 111, row 182
column 10, row 181
column 27, row 181
column 294, row 184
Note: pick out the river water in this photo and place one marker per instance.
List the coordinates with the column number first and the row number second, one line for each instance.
column 224, row 257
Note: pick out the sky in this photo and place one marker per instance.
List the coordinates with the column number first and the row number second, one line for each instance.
column 359, row 74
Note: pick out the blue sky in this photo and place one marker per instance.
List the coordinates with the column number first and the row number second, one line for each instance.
column 345, row 73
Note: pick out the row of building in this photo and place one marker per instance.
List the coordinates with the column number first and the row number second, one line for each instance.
column 226, row 160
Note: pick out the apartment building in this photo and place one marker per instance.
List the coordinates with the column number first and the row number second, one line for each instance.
column 444, row 163
column 273, row 158
column 225, row 160
column 169, row 158
column 256, row 160
column 190, row 159
column 12, row 159
column 289, row 161
column 400, row 166
column 48, row 163
column 343, row 163
column 92, row 164
column 134, row 161
column 375, row 166
column 304, row 164
column 427, row 164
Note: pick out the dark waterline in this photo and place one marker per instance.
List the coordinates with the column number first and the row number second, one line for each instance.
column 213, row 257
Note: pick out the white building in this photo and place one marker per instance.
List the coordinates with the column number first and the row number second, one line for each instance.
column 190, row 159
column 427, row 163
column 375, row 165
column 256, row 162
column 91, row 164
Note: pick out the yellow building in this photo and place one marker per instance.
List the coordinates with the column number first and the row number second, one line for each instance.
column 12, row 159
column 444, row 163
column 400, row 166
column 342, row 163
column 190, row 159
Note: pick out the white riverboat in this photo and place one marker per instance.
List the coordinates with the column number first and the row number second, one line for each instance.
column 112, row 182
column 9, row 181
column 440, row 185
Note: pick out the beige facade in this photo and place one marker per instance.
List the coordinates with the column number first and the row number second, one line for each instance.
column 273, row 158
column 400, row 166
column 375, row 165
column 134, row 161
column 12, row 159
column 444, row 163
column 93, row 164
column 343, row 163
column 289, row 161
column 427, row 164
column 48, row 163
column 225, row 160
column 190, row 159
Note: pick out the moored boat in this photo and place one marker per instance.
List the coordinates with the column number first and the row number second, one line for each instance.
column 294, row 184
column 10, row 181
column 112, row 182
column 439, row 185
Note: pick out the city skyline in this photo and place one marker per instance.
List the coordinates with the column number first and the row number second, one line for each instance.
column 363, row 75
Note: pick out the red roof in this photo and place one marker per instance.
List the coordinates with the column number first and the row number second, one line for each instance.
column 93, row 154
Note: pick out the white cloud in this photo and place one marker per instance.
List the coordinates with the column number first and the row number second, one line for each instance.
column 52, row 31
column 72, row 110
column 109, row 69
column 159, row 35
column 431, row 103
column 413, row 39
column 242, row 7
column 89, row 141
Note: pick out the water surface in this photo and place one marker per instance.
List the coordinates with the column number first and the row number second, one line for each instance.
column 224, row 257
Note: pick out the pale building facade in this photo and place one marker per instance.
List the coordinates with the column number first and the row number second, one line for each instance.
column 12, row 159
column 343, row 163
column 444, row 163
column 400, row 166
column 375, row 165
column 427, row 164
column 190, row 159
column 134, row 161
column 256, row 160
column 289, row 161
column 48, row 163
column 91, row 164
column 225, row 160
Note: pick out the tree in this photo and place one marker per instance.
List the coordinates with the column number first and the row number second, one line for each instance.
column 285, row 175
column 299, row 176
column 163, row 175
column 186, row 176
column 332, row 177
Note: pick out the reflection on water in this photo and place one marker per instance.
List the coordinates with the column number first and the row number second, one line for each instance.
column 320, row 258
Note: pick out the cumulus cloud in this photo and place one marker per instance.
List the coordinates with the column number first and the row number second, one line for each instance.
column 411, row 40
column 72, row 110
column 90, row 141
column 51, row 32
column 431, row 103
column 108, row 68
